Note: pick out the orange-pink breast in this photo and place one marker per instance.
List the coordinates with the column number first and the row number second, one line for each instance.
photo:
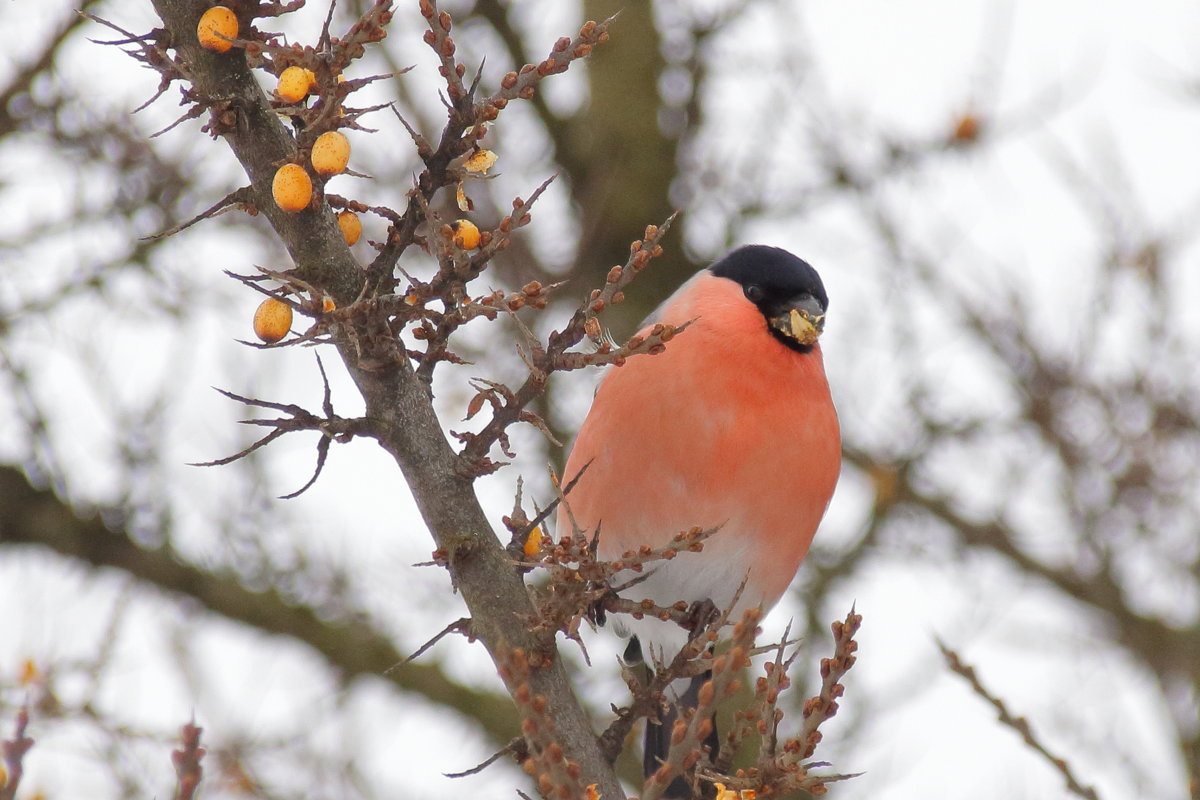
column 726, row 427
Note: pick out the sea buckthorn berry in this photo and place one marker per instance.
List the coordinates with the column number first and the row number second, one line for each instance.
column 272, row 320
column 351, row 226
column 331, row 153
column 216, row 23
column 292, row 188
column 533, row 543
column 466, row 234
column 294, row 84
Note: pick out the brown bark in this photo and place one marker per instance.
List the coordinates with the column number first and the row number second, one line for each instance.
column 30, row 516
column 397, row 403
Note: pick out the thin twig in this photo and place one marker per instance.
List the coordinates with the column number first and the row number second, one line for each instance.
column 1018, row 724
column 239, row 198
column 461, row 625
column 516, row 747
column 824, row 705
column 14, row 751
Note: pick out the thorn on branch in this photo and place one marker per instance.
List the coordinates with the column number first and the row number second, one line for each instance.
column 239, row 199
column 186, row 759
column 151, row 51
column 517, row 748
column 194, row 112
column 322, row 454
column 331, row 426
column 323, row 41
column 462, row 625
column 424, row 149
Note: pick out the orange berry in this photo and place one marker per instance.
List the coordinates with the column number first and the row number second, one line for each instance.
column 292, row 188
column 30, row 674
column 967, row 128
column 480, row 161
column 331, row 153
column 533, row 543
column 351, row 226
column 217, row 22
column 294, row 84
column 272, row 320
column 466, row 235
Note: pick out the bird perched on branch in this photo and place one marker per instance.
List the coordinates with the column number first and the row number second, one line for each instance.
column 731, row 426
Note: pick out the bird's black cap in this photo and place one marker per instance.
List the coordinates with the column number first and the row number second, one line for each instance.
column 776, row 282
column 781, row 275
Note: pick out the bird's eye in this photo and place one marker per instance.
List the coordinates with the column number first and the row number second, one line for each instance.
column 755, row 293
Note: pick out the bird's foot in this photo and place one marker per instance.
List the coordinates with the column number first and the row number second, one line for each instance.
column 700, row 615
column 596, row 613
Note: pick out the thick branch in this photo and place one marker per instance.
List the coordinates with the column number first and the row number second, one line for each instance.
column 40, row 65
column 31, row 516
column 398, row 401
column 262, row 144
column 488, row 580
column 1168, row 650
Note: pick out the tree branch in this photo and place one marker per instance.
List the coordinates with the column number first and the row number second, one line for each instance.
column 396, row 399
column 1018, row 724
column 32, row 516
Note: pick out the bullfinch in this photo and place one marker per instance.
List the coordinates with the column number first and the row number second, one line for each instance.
column 732, row 426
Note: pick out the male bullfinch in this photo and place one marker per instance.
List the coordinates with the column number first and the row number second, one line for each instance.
column 731, row 426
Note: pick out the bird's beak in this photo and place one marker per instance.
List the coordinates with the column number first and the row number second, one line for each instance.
column 803, row 321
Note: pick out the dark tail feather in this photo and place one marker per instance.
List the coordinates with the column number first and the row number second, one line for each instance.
column 658, row 738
